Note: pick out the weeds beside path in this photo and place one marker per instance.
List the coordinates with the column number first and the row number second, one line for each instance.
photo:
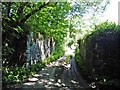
column 57, row 74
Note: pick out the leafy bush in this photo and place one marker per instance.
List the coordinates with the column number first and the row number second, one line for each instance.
column 13, row 75
column 77, row 55
column 57, row 53
column 107, row 26
column 81, row 63
column 67, row 59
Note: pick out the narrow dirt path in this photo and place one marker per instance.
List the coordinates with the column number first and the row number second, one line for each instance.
column 57, row 75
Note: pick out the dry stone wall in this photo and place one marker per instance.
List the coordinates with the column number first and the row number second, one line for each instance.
column 101, row 53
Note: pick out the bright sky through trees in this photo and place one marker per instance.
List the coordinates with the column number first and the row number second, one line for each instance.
column 111, row 13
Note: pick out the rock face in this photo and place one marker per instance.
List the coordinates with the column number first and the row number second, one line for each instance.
column 101, row 52
column 38, row 48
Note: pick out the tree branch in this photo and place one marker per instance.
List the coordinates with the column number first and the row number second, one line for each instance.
column 20, row 9
column 23, row 20
column 9, row 7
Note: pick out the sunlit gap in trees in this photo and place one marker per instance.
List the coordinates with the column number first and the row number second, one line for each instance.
column 81, row 22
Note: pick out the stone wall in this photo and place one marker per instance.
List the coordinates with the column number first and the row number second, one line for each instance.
column 101, row 52
column 38, row 48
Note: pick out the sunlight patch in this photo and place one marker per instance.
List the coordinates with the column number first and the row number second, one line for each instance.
column 33, row 79
column 67, row 66
column 43, row 80
column 57, row 84
column 29, row 83
column 36, row 75
column 47, row 86
column 49, row 83
column 59, row 81
column 63, row 84
column 51, row 79
column 74, row 81
column 44, row 69
column 40, row 75
column 45, row 74
column 40, row 82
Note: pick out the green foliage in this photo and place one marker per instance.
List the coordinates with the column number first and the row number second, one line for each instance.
column 71, row 42
column 77, row 54
column 11, row 75
column 36, row 67
column 14, row 75
column 48, row 18
column 81, row 63
column 7, row 50
column 102, row 27
column 67, row 59
column 107, row 26
column 57, row 53
column 50, row 21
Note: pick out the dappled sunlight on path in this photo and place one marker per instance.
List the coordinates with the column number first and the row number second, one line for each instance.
column 56, row 75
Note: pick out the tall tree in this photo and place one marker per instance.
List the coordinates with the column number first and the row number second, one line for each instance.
column 47, row 18
column 45, row 15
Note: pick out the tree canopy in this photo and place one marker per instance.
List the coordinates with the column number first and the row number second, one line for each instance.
column 51, row 19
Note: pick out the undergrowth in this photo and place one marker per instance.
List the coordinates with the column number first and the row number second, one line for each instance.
column 15, row 75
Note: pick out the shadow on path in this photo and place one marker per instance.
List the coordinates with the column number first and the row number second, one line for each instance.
column 55, row 76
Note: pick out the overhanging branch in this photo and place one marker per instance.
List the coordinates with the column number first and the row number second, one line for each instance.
column 20, row 9
column 23, row 20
